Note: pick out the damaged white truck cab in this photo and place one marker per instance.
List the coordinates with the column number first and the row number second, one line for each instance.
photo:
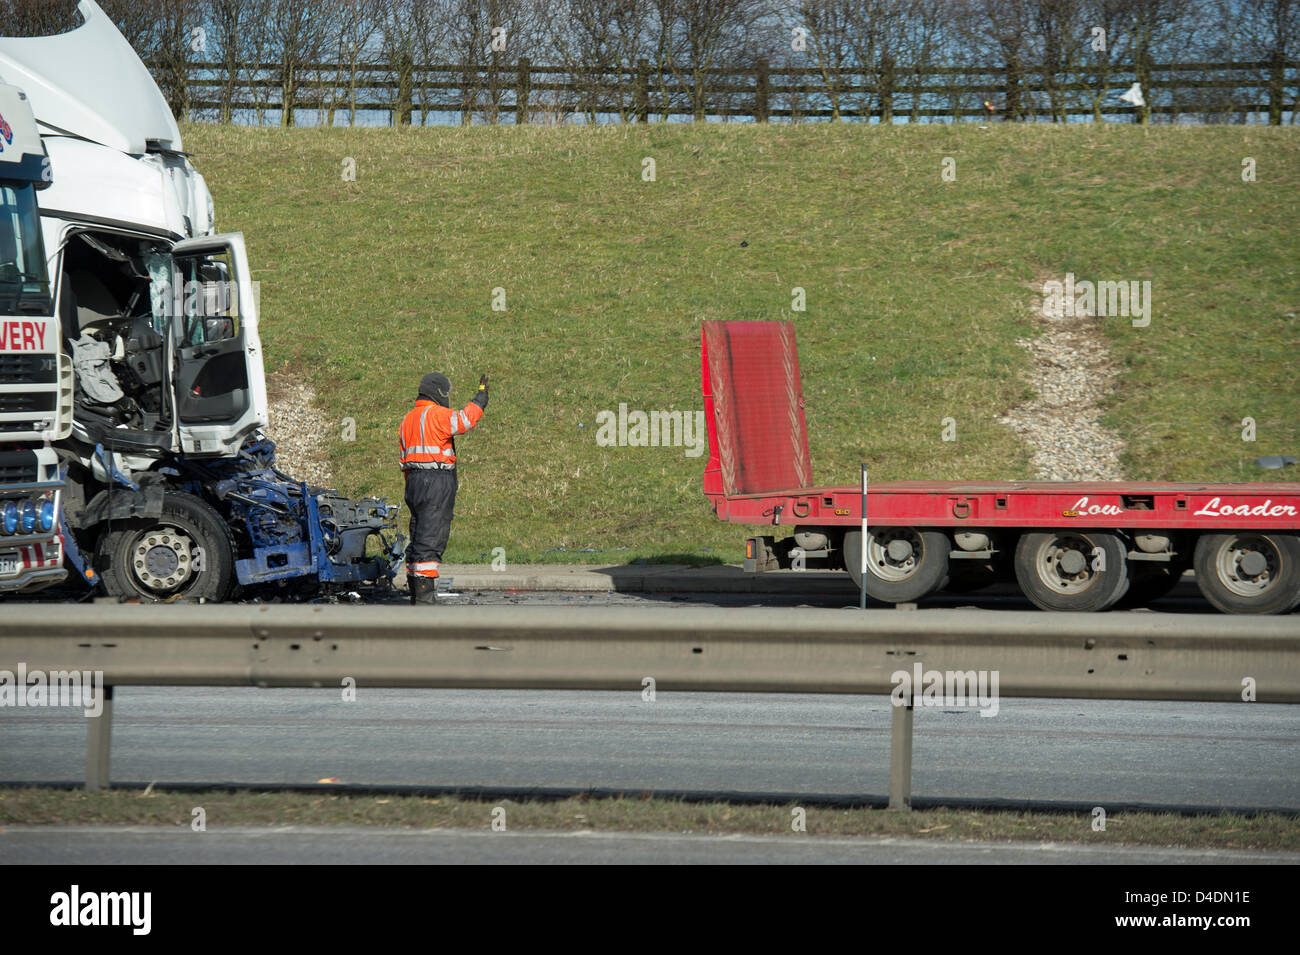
column 171, row 488
column 141, row 284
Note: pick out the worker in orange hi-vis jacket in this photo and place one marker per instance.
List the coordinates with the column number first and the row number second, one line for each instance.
column 427, row 448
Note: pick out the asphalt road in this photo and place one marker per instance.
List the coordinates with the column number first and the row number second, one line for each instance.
column 303, row 845
column 1096, row 751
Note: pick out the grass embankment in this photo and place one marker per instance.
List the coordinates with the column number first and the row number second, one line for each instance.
column 23, row 806
column 916, row 290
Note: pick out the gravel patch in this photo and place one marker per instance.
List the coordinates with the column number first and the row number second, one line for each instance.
column 299, row 429
column 1073, row 373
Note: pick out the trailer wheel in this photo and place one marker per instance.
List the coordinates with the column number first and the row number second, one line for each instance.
column 184, row 552
column 1249, row 571
column 1077, row 570
column 903, row 563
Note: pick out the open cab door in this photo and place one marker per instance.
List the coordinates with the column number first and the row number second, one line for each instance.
column 218, row 381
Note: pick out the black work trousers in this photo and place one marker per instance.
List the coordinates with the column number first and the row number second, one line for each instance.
column 430, row 499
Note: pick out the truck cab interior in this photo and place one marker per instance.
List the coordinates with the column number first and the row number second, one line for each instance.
column 154, row 337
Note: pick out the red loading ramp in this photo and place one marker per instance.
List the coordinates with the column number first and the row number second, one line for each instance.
column 753, row 401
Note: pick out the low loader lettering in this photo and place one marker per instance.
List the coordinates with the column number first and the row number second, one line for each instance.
column 1215, row 508
column 1083, row 509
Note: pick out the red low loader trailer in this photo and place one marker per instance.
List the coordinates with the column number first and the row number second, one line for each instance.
column 1079, row 546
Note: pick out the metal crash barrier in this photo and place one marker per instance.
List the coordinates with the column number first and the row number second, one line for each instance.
column 1132, row 656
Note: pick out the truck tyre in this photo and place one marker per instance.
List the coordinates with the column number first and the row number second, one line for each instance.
column 185, row 552
column 1079, row 570
column 903, row 563
column 1249, row 571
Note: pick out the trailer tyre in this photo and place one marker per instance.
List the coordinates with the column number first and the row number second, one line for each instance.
column 185, row 552
column 1249, row 571
column 1073, row 570
column 903, row 563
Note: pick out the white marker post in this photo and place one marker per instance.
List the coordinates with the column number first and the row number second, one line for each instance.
column 862, row 597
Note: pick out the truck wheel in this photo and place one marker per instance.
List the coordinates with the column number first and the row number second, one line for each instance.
column 184, row 552
column 1249, row 571
column 1078, row 570
column 903, row 563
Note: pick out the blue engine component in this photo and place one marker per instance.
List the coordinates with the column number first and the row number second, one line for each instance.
column 296, row 529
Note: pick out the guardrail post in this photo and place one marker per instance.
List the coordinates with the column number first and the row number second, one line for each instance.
column 99, row 731
column 900, row 756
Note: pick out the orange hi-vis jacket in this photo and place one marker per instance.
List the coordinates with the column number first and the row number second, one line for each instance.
column 427, row 435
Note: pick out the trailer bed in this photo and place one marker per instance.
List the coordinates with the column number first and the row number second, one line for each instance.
column 760, row 472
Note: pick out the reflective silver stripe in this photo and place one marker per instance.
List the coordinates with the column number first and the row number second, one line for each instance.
column 455, row 424
column 464, row 417
column 428, row 465
column 428, row 450
column 424, row 417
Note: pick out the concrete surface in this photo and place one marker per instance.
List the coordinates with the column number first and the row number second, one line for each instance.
column 346, row 845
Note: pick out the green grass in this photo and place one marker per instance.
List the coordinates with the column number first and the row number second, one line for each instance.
column 916, row 289
column 48, row 807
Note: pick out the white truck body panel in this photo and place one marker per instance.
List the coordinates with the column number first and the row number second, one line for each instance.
column 162, row 194
column 89, row 82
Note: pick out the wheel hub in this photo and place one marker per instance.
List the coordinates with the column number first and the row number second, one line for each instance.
column 1248, row 566
column 1072, row 563
column 899, row 550
column 894, row 553
column 162, row 559
column 1253, row 563
column 1063, row 565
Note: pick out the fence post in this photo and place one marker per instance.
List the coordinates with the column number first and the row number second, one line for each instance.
column 1011, row 91
column 643, row 91
column 761, row 86
column 1275, row 80
column 521, row 90
column 466, row 90
column 887, row 90
column 404, row 107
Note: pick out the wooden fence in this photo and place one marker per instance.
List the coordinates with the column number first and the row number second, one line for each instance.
column 487, row 92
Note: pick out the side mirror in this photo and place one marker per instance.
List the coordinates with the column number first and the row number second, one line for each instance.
column 218, row 329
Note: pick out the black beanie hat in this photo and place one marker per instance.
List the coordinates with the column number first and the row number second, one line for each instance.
column 436, row 388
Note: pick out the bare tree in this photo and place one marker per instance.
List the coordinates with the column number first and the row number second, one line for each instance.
column 1265, row 31
column 818, row 34
column 299, row 34
column 996, row 37
column 696, row 36
column 38, row 17
column 1058, row 43
column 600, row 42
column 350, row 26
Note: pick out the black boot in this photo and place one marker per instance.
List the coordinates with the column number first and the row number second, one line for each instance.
column 424, row 590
